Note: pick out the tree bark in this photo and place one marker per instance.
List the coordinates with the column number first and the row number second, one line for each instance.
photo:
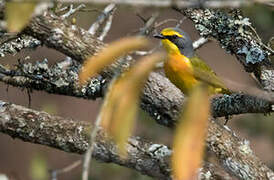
column 160, row 98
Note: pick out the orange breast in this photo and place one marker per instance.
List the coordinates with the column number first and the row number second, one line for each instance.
column 179, row 71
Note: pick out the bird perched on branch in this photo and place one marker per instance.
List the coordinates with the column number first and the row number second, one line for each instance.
column 183, row 67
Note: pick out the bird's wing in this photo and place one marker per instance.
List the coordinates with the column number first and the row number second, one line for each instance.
column 200, row 64
column 204, row 73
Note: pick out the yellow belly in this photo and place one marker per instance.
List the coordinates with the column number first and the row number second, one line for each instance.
column 179, row 71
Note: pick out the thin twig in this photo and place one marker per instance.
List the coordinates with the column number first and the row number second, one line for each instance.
column 200, row 42
column 94, row 131
column 29, row 96
column 141, row 17
column 260, row 40
column 165, row 21
column 107, row 26
column 61, row 9
column 148, row 24
column 87, row 157
column 101, row 18
column 72, row 10
column 145, row 31
column 66, row 169
column 144, row 53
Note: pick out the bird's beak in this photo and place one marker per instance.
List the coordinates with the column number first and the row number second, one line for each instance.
column 159, row 36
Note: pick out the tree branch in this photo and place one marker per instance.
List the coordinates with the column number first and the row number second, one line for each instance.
column 65, row 82
column 62, row 79
column 73, row 136
column 236, row 35
column 13, row 45
column 104, row 17
column 160, row 98
column 178, row 3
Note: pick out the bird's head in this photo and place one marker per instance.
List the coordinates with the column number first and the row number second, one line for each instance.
column 176, row 40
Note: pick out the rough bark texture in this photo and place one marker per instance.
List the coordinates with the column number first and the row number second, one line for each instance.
column 235, row 154
column 62, row 78
column 17, row 44
column 73, row 136
column 56, row 35
column 160, row 98
column 235, row 34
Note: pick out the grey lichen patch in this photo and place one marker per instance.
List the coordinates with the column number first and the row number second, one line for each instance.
column 42, row 65
column 139, row 164
column 270, row 175
column 61, row 83
column 21, row 122
column 204, row 175
column 15, row 45
column 61, row 142
column 32, row 133
column 80, row 129
column 241, row 170
column 159, row 151
column 253, row 55
column 157, row 116
column 43, row 128
column 233, row 32
column 2, row 106
column 41, row 125
column 207, row 175
column 56, row 36
column 60, row 78
column 245, row 147
column 266, row 78
column 94, row 86
column 238, row 103
column 4, row 117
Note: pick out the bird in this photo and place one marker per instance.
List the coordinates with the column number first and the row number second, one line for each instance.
column 183, row 67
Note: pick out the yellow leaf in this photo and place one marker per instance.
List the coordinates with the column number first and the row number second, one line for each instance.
column 119, row 110
column 18, row 14
column 190, row 135
column 108, row 55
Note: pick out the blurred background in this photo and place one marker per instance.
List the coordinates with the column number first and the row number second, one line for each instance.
column 22, row 160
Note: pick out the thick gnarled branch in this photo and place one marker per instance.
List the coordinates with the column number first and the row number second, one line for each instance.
column 236, row 35
column 161, row 99
column 232, row 32
column 16, row 44
column 62, row 79
column 73, row 136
